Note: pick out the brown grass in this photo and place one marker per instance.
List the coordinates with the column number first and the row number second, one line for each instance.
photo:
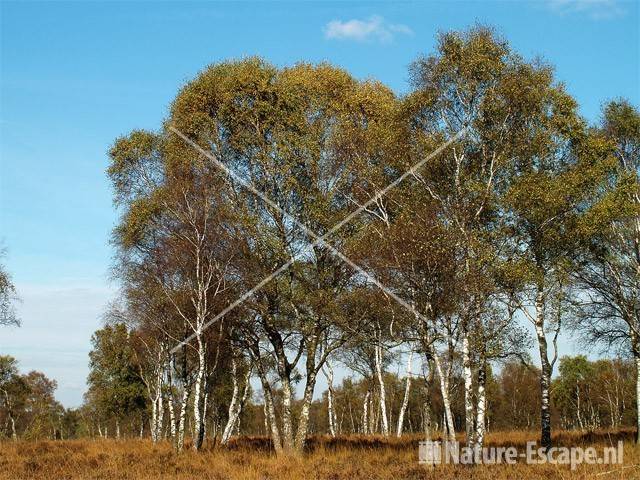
column 347, row 458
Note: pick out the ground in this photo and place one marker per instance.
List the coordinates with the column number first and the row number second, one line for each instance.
column 348, row 458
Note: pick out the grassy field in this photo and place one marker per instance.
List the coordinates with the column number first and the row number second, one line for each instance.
column 250, row 458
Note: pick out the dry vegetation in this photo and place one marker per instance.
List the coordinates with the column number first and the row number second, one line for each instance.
column 250, row 458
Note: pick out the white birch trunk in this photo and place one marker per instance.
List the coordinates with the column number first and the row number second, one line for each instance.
column 482, row 405
column 365, row 413
column 198, row 418
column 182, row 419
column 303, row 419
column 405, row 400
column 153, row 423
column 160, row 416
column 14, row 435
column 172, row 418
column 383, row 393
column 446, row 401
column 426, row 417
column 235, row 393
column 545, row 372
column 270, row 413
column 328, row 373
column 237, row 402
column 273, row 424
column 287, row 414
column 468, row 390
column 266, row 418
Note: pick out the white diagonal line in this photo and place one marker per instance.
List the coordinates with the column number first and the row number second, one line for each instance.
column 318, row 240
column 396, row 182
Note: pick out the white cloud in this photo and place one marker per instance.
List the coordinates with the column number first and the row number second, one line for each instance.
column 594, row 9
column 374, row 28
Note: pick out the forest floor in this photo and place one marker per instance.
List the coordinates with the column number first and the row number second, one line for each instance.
column 347, row 457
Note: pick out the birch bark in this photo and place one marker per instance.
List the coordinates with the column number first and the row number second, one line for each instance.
column 469, row 419
column 405, row 400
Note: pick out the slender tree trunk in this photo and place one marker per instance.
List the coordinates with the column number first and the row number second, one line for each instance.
column 469, row 419
column 172, row 418
column 237, row 402
column 235, row 394
column 182, row 418
column 426, row 420
column 351, row 419
column 14, row 435
column 545, row 372
column 160, row 416
column 331, row 413
column 243, row 400
column 270, row 417
column 198, row 417
column 287, row 414
column 205, row 408
column 578, row 409
column 170, row 403
column 330, row 410
column 307, row 396
column 482, row 403
column 427, row 426
column 269, row 407
column 153, row 421
column 266, row 417
column 383, row 393
column 444, row 389
column 303, row 420
column 405, row 400
column 365, row 413
column 374, row 415
column 273, row 424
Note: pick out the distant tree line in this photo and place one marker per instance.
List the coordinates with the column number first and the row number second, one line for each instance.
column 28, row 408
column 585, row 395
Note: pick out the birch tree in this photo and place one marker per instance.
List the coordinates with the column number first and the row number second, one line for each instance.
column 296, row 135
column 455, row 90
column 175, row 219
column 520, row 128
column 608, row 310
column 557, row 173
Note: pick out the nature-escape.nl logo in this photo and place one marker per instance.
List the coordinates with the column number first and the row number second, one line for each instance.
column 436, row 452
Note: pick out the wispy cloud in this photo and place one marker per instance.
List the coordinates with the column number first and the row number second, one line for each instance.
column 594, row 9
column 374, row 28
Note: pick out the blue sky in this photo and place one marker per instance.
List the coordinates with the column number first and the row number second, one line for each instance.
column 74, row 76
